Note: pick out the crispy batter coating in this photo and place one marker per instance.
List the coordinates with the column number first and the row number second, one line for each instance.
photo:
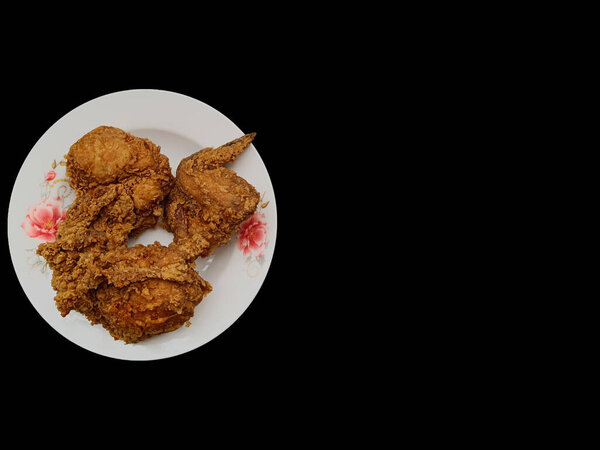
column 98, row 220
column 108, row 156
column 121, row 182
column 209, row 202
column 147, row 290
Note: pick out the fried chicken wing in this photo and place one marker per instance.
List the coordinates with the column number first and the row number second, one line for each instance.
column 209, row 202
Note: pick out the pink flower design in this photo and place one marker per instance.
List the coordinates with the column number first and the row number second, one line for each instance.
column 252, row 236
column 51, row 175
column 42, row 220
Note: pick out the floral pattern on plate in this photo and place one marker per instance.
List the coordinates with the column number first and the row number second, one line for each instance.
column 252, row 239
column 43, row 218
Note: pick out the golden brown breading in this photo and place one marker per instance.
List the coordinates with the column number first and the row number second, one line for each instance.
column 148, row 290
column 209, row 202
column 109, row 155
column 144, row 309
column 121, row 181
column 211, row 158
column 126, row 265
column 98, row 220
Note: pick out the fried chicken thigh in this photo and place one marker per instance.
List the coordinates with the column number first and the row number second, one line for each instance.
column 146, row 290
column 209, row 202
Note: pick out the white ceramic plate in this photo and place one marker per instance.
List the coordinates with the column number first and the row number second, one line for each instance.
column 180, row 125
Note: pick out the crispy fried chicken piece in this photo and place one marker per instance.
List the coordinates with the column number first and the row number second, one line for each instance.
column 148, row 290
column 209, row 202
column 98, row 220
column 109, row 155
column 121, row 181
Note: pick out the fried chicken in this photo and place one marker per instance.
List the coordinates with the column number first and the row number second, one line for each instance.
column 209, row 202
column 146, row 290
column 135, row 292
column 107, row 155
column 121, row 181
column 98, row 220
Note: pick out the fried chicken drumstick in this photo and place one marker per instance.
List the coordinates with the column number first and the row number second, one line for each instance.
column 209, row 202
